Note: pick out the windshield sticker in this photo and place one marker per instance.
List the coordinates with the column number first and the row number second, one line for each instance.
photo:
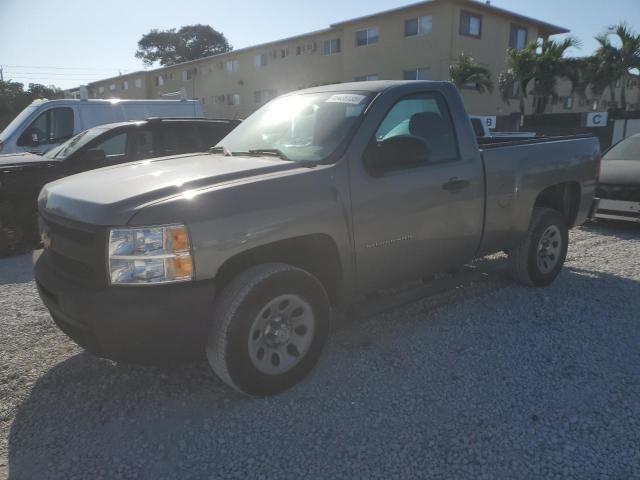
column 350, row 98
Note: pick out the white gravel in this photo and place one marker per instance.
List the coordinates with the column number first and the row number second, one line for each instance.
column 486, row 380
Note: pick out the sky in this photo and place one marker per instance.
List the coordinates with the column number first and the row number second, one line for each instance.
column 64, row 43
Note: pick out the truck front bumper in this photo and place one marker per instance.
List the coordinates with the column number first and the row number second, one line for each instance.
column 618, row 210
column 146, row 324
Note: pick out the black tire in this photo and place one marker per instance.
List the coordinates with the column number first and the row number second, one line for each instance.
column 12, row 240
column 239, row 306
column 527, row 261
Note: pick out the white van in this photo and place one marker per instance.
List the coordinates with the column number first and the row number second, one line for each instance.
column 47, row 123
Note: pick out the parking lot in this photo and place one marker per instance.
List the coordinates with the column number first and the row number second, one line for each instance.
column 484, row 379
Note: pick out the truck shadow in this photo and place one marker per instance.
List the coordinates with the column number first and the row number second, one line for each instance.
column 87, row 415
column 612, row 228
column 18, row 269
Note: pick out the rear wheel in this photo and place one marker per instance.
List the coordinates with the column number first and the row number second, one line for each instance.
column 539, row 258
column 18, row 229
column 269, row 327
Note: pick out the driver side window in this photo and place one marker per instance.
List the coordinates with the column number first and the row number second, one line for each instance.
column 52, row 126
column 425, row 117
column 114, row 145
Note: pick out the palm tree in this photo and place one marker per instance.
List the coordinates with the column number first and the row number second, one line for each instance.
column 537, row 66
column 466, row 71
column 607, row 70
column 519, row 74
column 611, row 64
column 627, row 58
column 551, row 64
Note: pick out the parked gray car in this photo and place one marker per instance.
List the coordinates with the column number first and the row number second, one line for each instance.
column 319, row 198
column 619, row 188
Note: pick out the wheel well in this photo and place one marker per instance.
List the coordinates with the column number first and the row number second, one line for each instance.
column 316, row 254
column 563, row 197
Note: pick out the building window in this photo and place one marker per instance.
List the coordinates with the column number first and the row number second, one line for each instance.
column 367, row 36
column 100, row 89
column 568, row 103
column 416, row 74
column 418, row 26
column 187, row 75
column 366, row 78
column 618, row 83
column 260, row 60
column 125, row 85
column 263, row 96
column 112, row 87
column 138, row 83
column 518, row 38
column 233, row 100
column 470, row 24
column 331, row 46
column 232, row 66
column 285, row 52
column 159, row 80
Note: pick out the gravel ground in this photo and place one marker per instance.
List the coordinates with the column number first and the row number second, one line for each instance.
column 485, row 380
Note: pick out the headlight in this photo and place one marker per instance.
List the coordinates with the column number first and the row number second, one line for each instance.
column 149, row 255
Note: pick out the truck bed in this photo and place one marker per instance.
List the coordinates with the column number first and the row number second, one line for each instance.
column 517, row 171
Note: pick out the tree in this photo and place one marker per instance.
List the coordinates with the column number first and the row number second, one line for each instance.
column 14, row 98
column 191, row 42
column 551, row 64
column 515, row 81
column 535, row 69
column 466, row 71
column 616, row 63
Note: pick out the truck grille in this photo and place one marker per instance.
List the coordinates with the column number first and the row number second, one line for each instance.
column 75, row 250
column 627, row 193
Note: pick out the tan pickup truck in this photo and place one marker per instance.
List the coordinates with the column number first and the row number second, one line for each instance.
column 319, row 198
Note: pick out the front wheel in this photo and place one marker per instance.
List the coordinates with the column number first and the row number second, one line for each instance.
column 539, row 258
column 269, row 327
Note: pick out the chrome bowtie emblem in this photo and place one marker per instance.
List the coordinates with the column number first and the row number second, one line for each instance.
column 46, row 239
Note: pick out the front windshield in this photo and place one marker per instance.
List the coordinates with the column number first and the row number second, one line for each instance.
column 16, row 122
column 72, row 145
column 304, row 127
column 628, row 149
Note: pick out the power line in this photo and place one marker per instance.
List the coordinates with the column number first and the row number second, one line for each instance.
column 70, row 68
column 53, row 74
column 45, row 79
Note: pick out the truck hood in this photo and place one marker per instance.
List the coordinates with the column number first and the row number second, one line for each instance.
column 21, row 160
column 112, row 195
column 620, row 172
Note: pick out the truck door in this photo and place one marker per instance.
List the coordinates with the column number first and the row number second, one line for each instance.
column 409, row 219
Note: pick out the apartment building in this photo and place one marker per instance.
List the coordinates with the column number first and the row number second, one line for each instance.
column 419, row 41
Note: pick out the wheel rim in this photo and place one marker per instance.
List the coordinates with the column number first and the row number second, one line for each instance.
column 549, row 249
column 281, row 334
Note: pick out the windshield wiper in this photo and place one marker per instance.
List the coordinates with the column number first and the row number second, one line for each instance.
column 260, row 152
column 223, row 150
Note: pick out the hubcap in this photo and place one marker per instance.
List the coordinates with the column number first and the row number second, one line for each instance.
column 549, row 249
column 281, row 334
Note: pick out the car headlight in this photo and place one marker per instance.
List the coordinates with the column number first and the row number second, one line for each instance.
column 153, row 255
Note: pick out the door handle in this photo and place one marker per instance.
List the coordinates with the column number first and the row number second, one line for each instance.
column 455, row 184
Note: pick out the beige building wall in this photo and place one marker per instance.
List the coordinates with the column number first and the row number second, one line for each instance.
column 234, row 84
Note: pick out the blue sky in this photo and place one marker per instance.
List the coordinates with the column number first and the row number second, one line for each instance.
column 86, row 44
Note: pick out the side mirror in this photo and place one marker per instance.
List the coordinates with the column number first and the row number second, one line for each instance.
column 397, row 152
column 95, row 158
column 28, row 138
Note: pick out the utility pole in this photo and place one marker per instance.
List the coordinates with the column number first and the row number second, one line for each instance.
column 1, row 75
